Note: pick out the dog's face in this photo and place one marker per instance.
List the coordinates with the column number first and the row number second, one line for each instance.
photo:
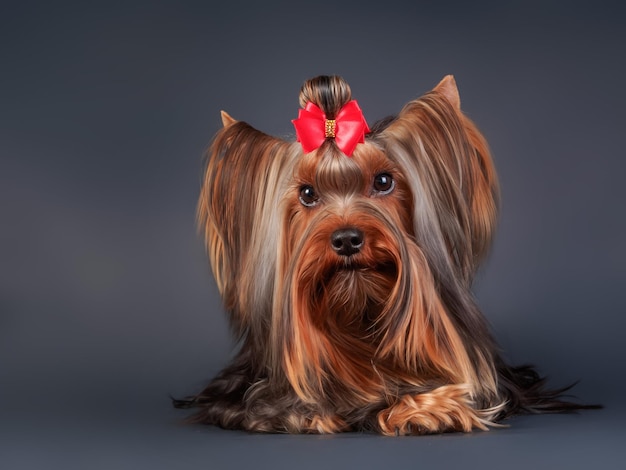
column 348, row 229
column 350, row 256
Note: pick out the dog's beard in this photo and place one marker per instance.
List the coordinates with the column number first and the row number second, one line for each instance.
column 351, row 295
column 340, row 310
column 354, row 296
column 348, row 295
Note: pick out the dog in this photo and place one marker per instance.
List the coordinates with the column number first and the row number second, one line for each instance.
column 345, row 261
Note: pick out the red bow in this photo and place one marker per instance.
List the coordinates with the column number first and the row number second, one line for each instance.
column 348, row 128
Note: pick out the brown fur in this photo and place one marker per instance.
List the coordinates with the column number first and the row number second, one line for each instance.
column 389, row 338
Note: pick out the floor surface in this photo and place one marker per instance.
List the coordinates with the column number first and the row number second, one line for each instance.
column 152, row 438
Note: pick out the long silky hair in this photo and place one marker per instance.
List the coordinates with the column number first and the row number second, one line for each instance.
column 326, row 349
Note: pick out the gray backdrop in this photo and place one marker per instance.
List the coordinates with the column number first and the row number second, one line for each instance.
column 107, row 305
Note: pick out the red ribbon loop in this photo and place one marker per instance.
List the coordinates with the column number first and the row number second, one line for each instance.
column 350, row 127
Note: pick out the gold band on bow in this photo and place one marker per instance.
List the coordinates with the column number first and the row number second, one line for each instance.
column 331, row 125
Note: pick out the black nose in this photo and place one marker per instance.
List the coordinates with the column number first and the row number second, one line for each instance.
column 347, row 241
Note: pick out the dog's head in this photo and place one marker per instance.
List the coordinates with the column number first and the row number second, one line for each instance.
column 338, row 260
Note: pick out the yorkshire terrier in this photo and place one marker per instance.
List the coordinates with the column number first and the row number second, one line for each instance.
column 345, row 261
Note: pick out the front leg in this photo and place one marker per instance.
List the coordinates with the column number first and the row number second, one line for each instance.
column 444, row 409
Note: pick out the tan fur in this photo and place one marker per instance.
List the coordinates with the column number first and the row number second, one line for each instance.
column 447, row 87
column 446, row 408
column 227, row 120
column 386, row 338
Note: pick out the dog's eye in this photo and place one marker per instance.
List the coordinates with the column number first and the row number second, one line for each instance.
column 384, row 183
column 308, row 196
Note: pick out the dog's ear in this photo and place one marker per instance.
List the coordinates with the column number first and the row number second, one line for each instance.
column 245, row 178
column 447, row 87
column 456, row 188
column 227, row 119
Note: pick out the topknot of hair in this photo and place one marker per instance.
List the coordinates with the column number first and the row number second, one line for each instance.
column 329, row 92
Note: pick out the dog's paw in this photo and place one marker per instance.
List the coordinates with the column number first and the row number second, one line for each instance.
column 444, row 409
